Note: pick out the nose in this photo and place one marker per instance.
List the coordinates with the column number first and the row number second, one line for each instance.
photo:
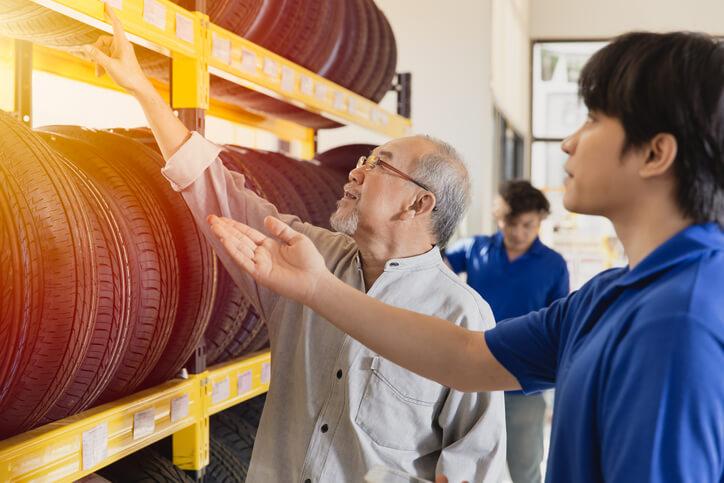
column 357, row 175
column 568, row 145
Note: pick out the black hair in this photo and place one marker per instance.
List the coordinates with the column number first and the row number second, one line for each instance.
column 522, row 197
column 668, row 83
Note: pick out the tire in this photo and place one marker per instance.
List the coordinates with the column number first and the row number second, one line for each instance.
column 153, row 264
column 363, row 76
column 113, row 318
column 144, row 466
column 224, row 465
column 389, row 73
column 195, row 258
column 344, row 158
column 379, row 66
column 346, row 64
column 49, row 284
column 249, row 332
column 230, row 310
column 237, row 426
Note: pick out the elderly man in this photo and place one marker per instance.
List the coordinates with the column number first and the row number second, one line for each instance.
column 335, row 409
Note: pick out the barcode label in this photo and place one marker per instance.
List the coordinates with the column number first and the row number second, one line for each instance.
column 265, row 373
column 243, row 384
column 248, row 61
column 221, row 48
column 144, row 423
column 94, row 445
column 220, row 391
column 179, row 408
column 287, row 79
column 184, row 28
column 154, row 13
column 271, row 68
column 115, row 3
column 306, row 85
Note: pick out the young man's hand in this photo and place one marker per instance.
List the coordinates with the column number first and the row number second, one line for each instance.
column 288, row 263
column 116, row 56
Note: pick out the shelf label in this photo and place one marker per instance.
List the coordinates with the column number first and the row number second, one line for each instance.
column 265, row 373
column 95, row 445
column 220, row 391
column 155, row 13
column 179, row 408
column 243, row 383
column 117, row 4
column 306, row 85
column 144, row 423
column 184, row 28
column 321, row 92
column 352, row 106
column 221, row 48
column 287, row 79
column 248, row 61
column 271, row 68
column 339, row 101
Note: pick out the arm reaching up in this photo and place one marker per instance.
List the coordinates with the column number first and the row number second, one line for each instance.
column 115, row 55
column 290, row 265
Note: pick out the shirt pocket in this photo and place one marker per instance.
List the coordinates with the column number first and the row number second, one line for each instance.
column 399, row 409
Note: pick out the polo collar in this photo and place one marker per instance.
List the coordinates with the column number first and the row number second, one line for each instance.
column 689, row 244
column 536, row 248
column 428, row 259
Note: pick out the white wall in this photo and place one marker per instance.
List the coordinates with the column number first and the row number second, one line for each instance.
column 597, row 19
column 446, row 46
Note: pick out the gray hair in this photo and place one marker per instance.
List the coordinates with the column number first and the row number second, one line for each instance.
column 444, row 172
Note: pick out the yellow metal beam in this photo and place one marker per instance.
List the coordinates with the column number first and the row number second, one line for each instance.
column 79, row 445
column 187, row 37
column 7, row 74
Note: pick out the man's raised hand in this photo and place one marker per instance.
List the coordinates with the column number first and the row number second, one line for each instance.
column 286, row 262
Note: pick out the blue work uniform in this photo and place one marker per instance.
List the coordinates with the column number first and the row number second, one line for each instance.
column 637, row 360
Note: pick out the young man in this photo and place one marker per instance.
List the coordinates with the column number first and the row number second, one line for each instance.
column 335, row 409
column 636, row 355
column 516, row 274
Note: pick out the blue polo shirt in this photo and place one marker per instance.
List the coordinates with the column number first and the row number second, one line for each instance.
column 530, row 282
column 637, row 360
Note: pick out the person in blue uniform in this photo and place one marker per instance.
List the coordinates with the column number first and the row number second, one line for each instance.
column 516, row 274
column 637, row 354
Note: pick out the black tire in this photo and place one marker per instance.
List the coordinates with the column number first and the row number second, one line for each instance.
column 237, row 427
column 113, row 317
column 224, row 465
column 391, row 67
column 153, row 264
column 48, row 283
column 144, row 466
column 230, row 309
column 250, row 411
column 363, row 76
column 248, row 334
column 379, row 65
column 344, row 158
column 342, row 66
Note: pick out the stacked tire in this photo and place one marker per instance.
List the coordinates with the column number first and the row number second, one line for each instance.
column 350, row 42
column 111, row 286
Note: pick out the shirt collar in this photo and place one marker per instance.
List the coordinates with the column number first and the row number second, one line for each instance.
column 537, row 248
column 690, row 243
column 428, row 259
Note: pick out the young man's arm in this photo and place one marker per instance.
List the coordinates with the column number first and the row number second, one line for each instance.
column 288, row 263
column 456, row 255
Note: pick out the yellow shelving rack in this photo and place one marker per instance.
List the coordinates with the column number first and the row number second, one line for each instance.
column 74, row 447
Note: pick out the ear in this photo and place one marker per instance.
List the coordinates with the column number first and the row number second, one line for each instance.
column 423, row 204
column 662, row 151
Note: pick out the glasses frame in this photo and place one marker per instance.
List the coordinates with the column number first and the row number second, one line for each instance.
column 371, row 162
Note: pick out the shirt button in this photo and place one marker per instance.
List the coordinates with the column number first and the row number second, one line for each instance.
column 325, row 428
column 307, row 481
column 339, row 374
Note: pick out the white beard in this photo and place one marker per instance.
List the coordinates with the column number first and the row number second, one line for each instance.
column 346, row 224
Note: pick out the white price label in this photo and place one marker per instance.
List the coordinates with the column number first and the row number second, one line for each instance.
column 220, row 391
column 184, row 28
column 248, row 61
column 115, row 3
column 287, row 79
column 321, row 92
column 265, row 373
column 221, row 48
column 352, row 106
column 179, row 408
column 94, row 445
column 339, row 101
column 271, row 68
column 155, row 13
column 306, row 85
column 144, row 423
column 243, row 383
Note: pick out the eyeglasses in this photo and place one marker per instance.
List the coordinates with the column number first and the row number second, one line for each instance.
column 371, row 162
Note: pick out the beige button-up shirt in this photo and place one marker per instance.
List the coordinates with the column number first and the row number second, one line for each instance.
column 335, row 409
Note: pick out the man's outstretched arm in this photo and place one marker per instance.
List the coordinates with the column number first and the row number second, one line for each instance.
column 431, row 347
